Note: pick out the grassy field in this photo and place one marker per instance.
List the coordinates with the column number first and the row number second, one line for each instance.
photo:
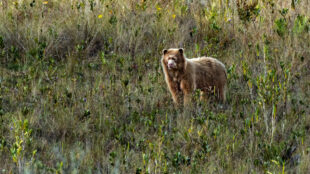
column 82, row 88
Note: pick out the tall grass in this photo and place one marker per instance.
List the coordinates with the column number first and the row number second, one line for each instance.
column 82, row 89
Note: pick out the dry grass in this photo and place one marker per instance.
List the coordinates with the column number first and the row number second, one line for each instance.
column 82, row 88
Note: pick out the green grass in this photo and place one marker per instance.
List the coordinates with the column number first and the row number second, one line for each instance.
column 82, row 89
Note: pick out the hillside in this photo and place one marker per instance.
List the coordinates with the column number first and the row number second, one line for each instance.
column 82, row 89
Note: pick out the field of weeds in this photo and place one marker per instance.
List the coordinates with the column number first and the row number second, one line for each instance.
column 82, row 88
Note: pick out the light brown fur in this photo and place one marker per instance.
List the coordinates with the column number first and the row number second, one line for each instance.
column 204, row 73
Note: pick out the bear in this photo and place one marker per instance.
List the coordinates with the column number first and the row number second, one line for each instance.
column 183, row 76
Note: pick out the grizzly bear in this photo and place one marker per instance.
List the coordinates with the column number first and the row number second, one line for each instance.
column 183, row 76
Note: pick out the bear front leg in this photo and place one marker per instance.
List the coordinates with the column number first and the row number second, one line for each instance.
column 175, row 91
column 177, row 97
column 187, row 91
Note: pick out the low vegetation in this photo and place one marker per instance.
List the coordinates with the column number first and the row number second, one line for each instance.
column 82, row 88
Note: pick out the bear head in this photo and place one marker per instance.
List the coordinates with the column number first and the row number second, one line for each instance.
column 174, row 59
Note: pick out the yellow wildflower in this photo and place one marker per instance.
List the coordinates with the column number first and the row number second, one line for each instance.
column 100, row 16
column 45, row 2
column 173, row 16
column 190, row 130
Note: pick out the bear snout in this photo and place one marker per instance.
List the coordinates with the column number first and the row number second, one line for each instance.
column 171, row 64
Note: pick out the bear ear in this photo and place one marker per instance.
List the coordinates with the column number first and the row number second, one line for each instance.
column 165, row 51
column 181, row 50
